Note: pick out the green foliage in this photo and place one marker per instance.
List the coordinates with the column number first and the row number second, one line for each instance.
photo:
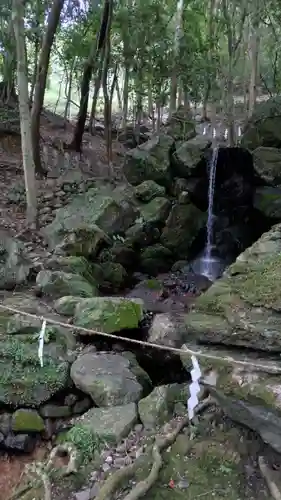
column 87, row 443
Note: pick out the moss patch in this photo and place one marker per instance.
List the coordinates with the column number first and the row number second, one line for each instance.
column 260, row 285
column 22, row 380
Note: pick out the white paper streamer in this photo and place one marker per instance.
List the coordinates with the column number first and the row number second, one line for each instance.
column 41, row 342
column 194, row 387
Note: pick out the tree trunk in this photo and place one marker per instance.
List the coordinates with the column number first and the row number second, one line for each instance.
column 39, row 92
column 125, row 96
column 98, row 82
column 174, row 79
column 25, row 119
column 210, row 31
column 107, row 103
column 254, row 56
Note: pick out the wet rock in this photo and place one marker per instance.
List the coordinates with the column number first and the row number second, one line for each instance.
column 108, row 314
column 142, row 234
column 110, row 379
column 150, row 161
column 27, row 421
column 81, row 406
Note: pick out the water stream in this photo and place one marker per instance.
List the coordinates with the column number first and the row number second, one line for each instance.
column 209, row 264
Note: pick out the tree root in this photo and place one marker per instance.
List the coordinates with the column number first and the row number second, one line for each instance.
column 42, row 471
column 160, row 444
column 265, row 471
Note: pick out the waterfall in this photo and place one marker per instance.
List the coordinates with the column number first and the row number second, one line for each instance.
column 209, row 263
column 212, row 166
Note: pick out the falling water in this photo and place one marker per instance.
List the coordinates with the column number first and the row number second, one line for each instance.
column 209, row 264
column 211, row 191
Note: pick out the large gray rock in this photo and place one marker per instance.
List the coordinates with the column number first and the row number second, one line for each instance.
column 110, row 424
column 267, row 163
column 181, row 126
column 110, row 379
column 150, row 161
column 263, row 128
column 188, row 155
column 258, row 418
column 15, row 267
column 268, row 201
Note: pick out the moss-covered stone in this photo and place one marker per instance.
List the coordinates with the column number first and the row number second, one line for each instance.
column 150, row 161
column 148, row 190
column 155, row 259
column 182, row 226
column 27, row 421
column 57, row 284
column 158, row 406
column 156, row 211
column 114, row 275
column 104, row 214
column 108, row 314
column 181, row 126
column 268, row 201
column 188, row 154
column 263, row 128
column 22, row 380
column 66, row 305
column 76, row 265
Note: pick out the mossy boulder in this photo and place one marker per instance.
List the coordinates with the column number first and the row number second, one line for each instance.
column 263, row 128
column 243, row 307
column 187, row 157
column 66, row 305
column 108, row 314
column 76, row 265
column 57, row 284
column 158, row 407
column 148, row 190
column 181, row 126
column 15, row 267
column 120, row 253
column 23, row 382
column 156, row 211
column 155, row 259
column 142, row 234
column 114, row 276
column 268, row 201
column 182, row 227
column 150, row 161
column 102, row 215
column 27, row 421
column 267, row 164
